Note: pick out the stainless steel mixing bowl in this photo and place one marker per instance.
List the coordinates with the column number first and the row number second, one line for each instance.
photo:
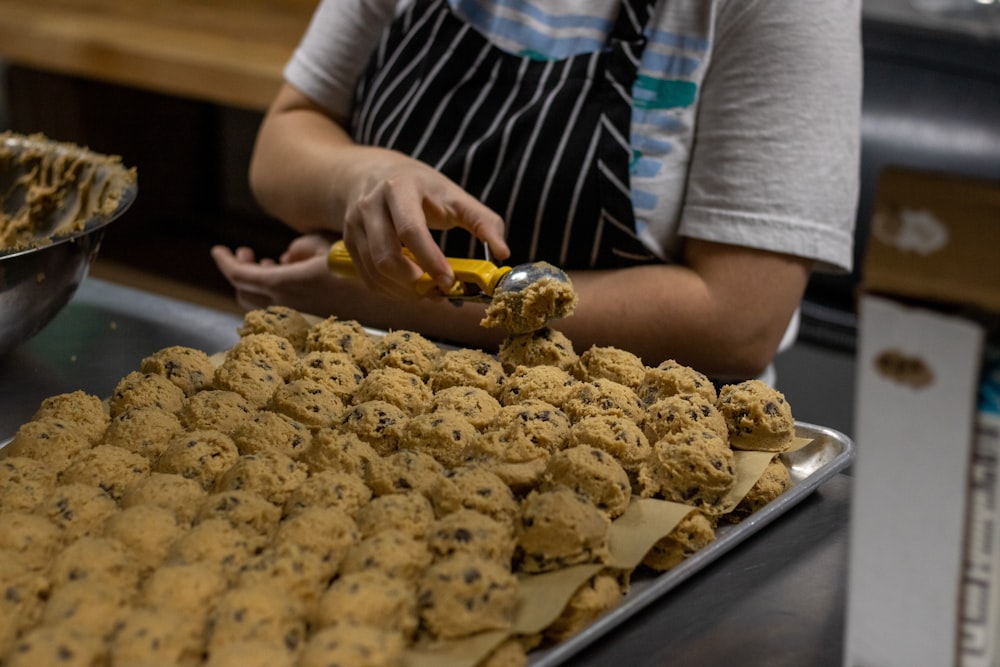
column 38, row 281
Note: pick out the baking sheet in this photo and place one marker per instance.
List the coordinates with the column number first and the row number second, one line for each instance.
column 829, row 453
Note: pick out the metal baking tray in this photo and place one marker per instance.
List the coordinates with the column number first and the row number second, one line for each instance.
column 829, row 453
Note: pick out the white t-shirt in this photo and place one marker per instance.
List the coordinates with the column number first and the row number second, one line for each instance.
column 745, row 122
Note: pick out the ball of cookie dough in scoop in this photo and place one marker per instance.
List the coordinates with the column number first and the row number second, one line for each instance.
column 758, row 416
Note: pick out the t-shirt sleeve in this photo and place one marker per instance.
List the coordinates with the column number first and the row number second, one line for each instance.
column 775, row 158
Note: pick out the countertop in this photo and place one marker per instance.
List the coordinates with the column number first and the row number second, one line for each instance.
column 776, row 600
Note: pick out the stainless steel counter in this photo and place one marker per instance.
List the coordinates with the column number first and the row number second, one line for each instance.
column 777, row 600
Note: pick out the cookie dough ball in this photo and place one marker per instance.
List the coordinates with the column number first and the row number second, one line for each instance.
column 683, row 412
column 774, row 481
column 190, row 369
column 603, row 397
column 253, row 380
column 468, row 367
column 610, row 363
column 542, row 423
column 51, row 441
column 466, row 531
column 379, row 423
column 335, row 335
column 544, row 383
column 355, row 645
column 599, row 595
column 406, row 350
column 178, row 494
column 325, row 531
column 146, row 431
column 696, row 468
column 57, row 645
column 476, row 488
column 258, row 613
column 410, row 512
column 157, row 637
column 370, row 598
column 290, row 568
column 138, row 389
column 146, row 531
column 343, row 451
column 215, row 409
column 545, row 347
column 78, row 509
column 271, row 475
column 201, row 455
column 272, row 432
column 592, row 473
column 95, row 559
column 190, row 589
column 271, row 351
column 23, row 601
column 329, row 488
column 671, row 378
column 403, row 471
column 515, row 458
column 694, row 532
column 215, row 543
column 559, row 528
column 84, row 410
column 392, row 385
column 277, row 320
column 24, row 481
column 546, row 297
column 245, row 510
column 337, row 370
column 87, row 606
column 473, row 403
column 621, row 438
column 33, row 537
column 392, row 552
column 443, row 435
column 308, row 402
column 757, row 416
column 462, row 595
column 112, row 468
column 251, row 653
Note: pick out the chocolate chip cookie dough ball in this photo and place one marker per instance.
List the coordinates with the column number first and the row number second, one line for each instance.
column 138, row 389
column 392, row 552
column 146, row 531
column 470, row 532
column 463, row 595
column 544, row 383
column 696, row 468
column 682, row 412
column 337, row 370
column 513, row 457
column 603, row 397
column 757, row 415
column 610, row 363
column 671, row 378
column 774, row 481
column 353, row 644
column 272, row 432
column 370, row 598
column 329, row 488
column 251, row 653
column 473, row 403
column 289, row 567
column 540, row 422
column 57, row 645
column 32, row 537
column 176, row 493
column 592, row 473
column 269, row 350
column 188, row 588
column 157, row 637
column 87, row 606
column 308, row 402
column 559, row 528
column 410, row 512
column 379, row 423
column 406, row 350
column 544, row 347
column 51, row 441
column 146, row 431
column 468, row 367
column 404, row 390
column 278, row 320
column 190, row 369
column 253, row 380
column 621, row 438
column 599, row 595
column 335, row 335
column 271, row 475
column 343, row 451
column 215, row 409
column 215, row 543
column 443, row 435
column 201, row 455
column 694, row 532
column 25, row 593
column 24, row 481
column 112, row 468
column 78, row 509
column 476, row 488
column 258, row 613
column 403, row 471
column 325, row 531
column 84, row 410
column 96, row 559
column 246, row 510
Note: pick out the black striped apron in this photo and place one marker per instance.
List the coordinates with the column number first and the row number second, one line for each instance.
column 544, row 143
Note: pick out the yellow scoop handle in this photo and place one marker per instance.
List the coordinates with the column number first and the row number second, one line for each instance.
column 479, row 272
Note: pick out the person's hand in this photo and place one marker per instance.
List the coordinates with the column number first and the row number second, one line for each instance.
column 396, row 203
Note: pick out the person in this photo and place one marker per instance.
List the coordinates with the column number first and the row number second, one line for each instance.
column 688, row 162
